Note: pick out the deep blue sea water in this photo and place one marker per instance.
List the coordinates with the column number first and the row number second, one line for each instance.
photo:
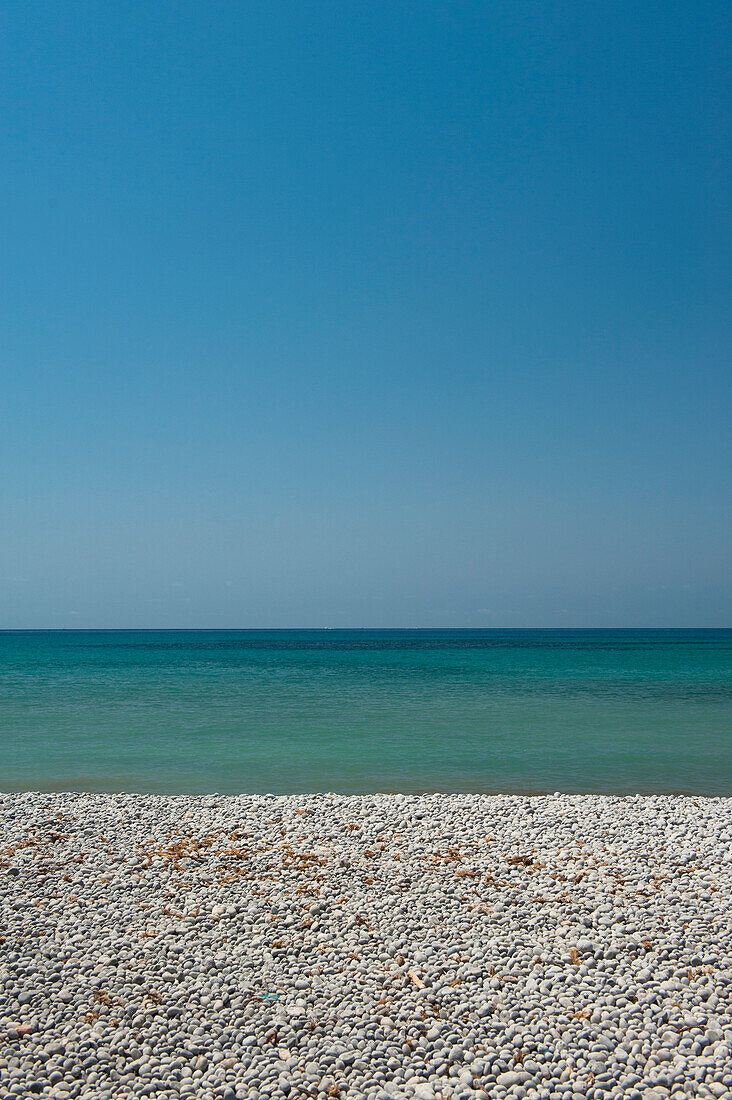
column 287, row 711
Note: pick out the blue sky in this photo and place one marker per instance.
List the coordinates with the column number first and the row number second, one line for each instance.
column 385, row 314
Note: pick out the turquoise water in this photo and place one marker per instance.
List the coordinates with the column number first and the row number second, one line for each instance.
column 286, row 711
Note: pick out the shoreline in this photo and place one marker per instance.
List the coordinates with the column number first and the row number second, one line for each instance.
column 420, row 792
column 379, row 945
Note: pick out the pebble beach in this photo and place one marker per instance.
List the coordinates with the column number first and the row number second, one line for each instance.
column 380, row 946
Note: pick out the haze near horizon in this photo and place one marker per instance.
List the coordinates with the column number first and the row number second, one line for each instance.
column 365, row 315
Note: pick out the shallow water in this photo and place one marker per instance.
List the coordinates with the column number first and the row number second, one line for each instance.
column 349, row 711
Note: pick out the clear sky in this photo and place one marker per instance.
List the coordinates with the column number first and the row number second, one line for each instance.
column 364, row 314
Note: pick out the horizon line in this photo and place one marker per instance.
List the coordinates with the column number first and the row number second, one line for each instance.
column 321, row 629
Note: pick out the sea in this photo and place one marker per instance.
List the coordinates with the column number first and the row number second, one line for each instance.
column 288, row 711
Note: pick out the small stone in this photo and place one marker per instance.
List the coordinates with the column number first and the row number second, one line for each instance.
column 512, row 1077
